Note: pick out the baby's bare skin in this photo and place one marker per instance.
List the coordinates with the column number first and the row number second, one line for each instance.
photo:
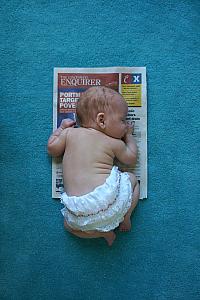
column 81, row 176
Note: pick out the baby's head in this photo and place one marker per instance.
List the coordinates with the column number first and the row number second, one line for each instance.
column 102, row 108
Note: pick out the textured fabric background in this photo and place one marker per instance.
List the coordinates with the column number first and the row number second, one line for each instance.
column 159, row 258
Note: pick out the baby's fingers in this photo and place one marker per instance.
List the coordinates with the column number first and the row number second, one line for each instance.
column 129, row 129
column 67, row 123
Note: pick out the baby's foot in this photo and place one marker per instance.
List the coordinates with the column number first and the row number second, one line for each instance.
column 110, row 237
column 125, row 225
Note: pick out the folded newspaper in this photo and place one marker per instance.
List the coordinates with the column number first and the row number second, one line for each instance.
column 69, row 83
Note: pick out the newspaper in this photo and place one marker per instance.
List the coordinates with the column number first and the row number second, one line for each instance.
column 69, row 83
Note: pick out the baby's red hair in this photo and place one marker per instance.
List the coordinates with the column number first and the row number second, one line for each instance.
column 97, row 99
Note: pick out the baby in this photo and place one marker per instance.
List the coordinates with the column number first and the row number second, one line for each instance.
column 98, row 196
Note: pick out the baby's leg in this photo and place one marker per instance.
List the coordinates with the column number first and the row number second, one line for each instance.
column 108, row 236
column 126, row 224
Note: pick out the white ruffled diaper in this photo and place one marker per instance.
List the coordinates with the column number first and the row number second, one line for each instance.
column 102, row 209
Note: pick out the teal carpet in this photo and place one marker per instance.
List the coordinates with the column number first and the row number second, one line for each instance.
column 159, row 258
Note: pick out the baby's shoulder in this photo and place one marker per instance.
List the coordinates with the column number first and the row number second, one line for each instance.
column 76, row 133
column 70, row 133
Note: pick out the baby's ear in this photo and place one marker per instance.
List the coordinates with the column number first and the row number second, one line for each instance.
column 100, row 119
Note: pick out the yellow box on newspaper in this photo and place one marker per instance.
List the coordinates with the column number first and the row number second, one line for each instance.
column 132, row 94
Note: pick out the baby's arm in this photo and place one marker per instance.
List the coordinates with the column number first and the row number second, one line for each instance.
column 57, row 141
column 126, row 149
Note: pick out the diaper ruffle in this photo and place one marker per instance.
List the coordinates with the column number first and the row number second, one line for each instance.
column 102, row 209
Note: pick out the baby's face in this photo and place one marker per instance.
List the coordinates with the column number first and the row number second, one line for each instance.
column 116, row 125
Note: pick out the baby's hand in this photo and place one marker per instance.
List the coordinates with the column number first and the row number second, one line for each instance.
column 130, row 129
column 129, row 132
column 66, row 123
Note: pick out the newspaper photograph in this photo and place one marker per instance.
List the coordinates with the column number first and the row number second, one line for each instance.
column 130, row 82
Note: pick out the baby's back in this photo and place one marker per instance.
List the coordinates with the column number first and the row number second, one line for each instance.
column 87, row 161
